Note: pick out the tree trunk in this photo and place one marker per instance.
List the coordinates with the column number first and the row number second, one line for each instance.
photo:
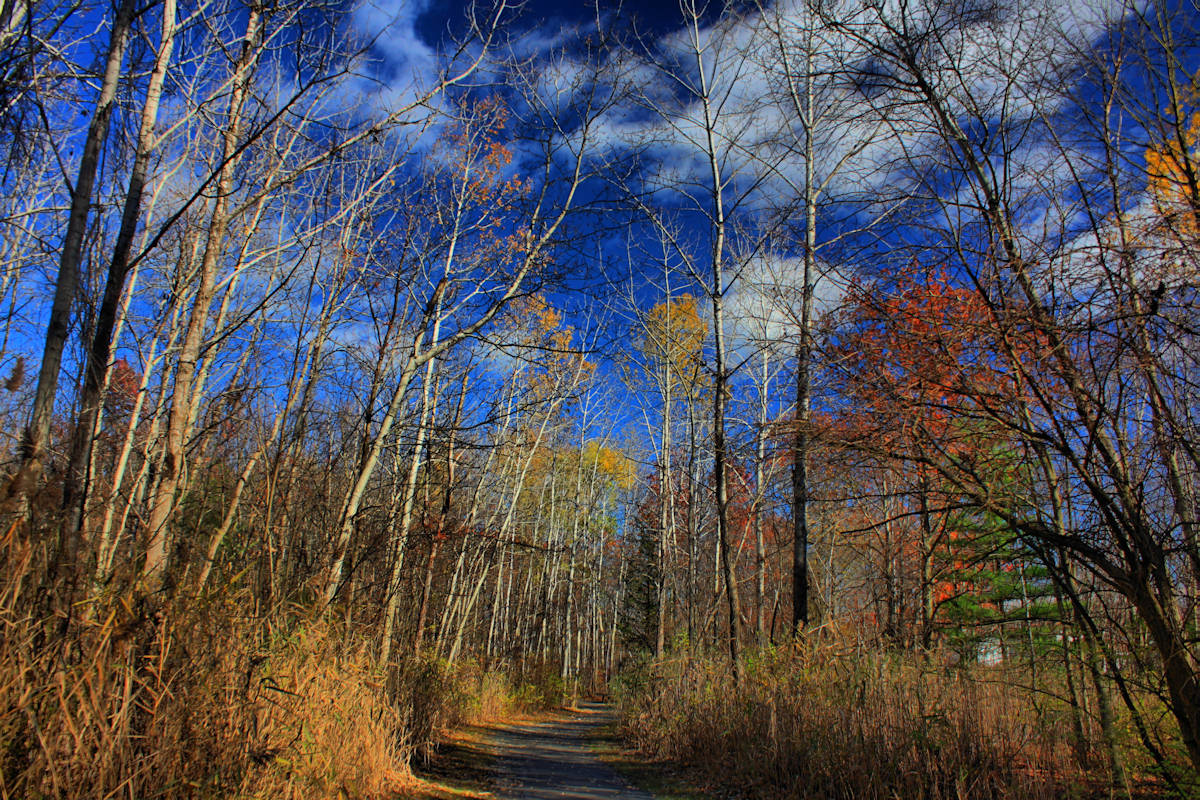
column 35, row 440
column 760, row 545
column 443, row 514
column 800, row 455
column 154, row 570
column 721, row 368
column 76, row 486
column 392, row 600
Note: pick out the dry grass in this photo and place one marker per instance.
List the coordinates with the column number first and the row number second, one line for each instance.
column 502, row 694
column 827, row 725
column 210, row 708
column 204, row 701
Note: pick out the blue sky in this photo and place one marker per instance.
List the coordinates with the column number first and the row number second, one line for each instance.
column 655, row 17
column 422, row 25
column 416, row 29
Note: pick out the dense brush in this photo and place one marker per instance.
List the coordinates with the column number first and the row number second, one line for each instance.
column 831, row 725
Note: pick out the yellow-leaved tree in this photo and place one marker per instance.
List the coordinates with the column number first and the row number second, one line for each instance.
column 671, row 345
column 1173, row 163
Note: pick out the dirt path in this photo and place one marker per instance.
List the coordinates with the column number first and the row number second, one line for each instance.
column 554, row 759
column 531, row 761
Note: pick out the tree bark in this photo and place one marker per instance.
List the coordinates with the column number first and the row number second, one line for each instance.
column 76, row 487
column 155, row 566
column 33, row 446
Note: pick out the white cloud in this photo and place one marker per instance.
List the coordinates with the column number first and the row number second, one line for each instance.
column 764, row 304
column 392, row 27
column 1009, row 65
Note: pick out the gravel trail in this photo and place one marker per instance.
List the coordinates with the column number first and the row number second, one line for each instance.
column 553, row 759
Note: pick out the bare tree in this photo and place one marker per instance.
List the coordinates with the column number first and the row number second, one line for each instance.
column 938, row 71
column 33, row 447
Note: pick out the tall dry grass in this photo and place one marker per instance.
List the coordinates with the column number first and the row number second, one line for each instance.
column 508, row 692
column 204, row 700
column 826, row 724
column 208, row 709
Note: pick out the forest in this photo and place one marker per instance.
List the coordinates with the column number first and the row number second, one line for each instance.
column 814, row 382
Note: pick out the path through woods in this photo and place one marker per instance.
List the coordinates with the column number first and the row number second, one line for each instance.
column 553, row 758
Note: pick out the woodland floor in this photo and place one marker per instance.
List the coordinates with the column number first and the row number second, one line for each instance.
column 570, row 754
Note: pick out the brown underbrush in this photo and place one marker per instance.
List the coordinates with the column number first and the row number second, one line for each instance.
column 509, row 692
column 207, row 700
column 206, row 705
column 825, row 724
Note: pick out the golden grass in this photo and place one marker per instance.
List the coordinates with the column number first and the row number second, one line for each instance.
column 205, row 700
column 214, row 705
column 822, row 724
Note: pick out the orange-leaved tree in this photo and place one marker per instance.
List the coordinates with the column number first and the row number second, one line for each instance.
column 916, row 376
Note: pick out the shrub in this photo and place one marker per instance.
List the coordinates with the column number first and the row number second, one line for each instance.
column 831, row 725
column 200, row 701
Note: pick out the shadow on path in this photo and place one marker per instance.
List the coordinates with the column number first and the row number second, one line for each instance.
column 554, row 759
column 528, row 761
